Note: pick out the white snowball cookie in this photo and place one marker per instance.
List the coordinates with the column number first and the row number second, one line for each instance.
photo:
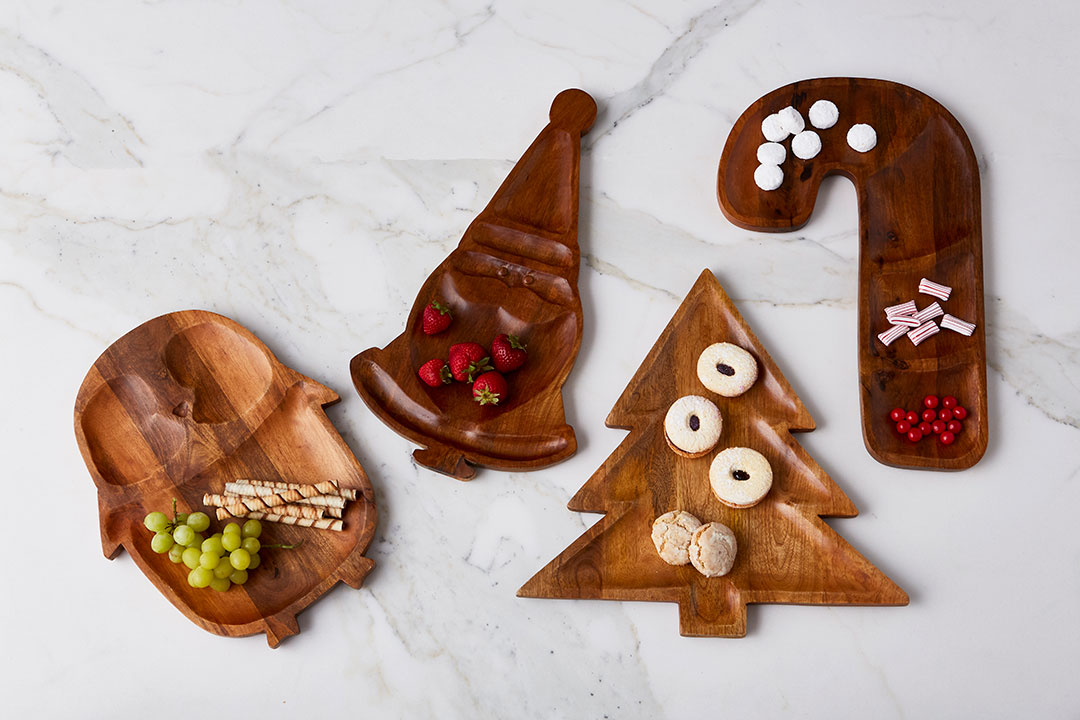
column 692, row 425
column 713, row 549
column 791, row 120
column 773, row 129
column 768, row 177
column 806, row 144
column 823, row 114
column 740, row 477
column 726, row 369
column 771, row 153
column 862, row 137
column 671, row 534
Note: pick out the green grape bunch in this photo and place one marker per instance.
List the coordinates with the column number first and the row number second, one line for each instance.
column 219, row 561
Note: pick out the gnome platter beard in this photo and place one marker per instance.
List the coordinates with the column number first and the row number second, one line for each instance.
column 190, row 401
column 514, row 272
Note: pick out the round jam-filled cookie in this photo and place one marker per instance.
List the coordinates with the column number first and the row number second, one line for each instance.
column 713, row 549
column 692, row 425
column 740, row 477
column 671, row 533
column 726, row 369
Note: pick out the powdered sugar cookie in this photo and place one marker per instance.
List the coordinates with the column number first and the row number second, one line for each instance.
column 773, row 129
column 791, row 120
column 823, row 114
column 770, row 153
column 862, row 137
column 671, row 533
column 712, row 549
column 726, row 369
column 692, row 425
column 768, row 177
column 806, row 145
column 740, row 477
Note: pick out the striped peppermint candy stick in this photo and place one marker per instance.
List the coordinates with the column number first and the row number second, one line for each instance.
column 906, row 320
column 890, row 335
column 957, row 325
column 929, row 313
column 924, row 331
column 901, row 310
column 929, row 287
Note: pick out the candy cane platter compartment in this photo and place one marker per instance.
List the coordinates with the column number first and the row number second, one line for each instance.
column 921, row 333
column 221, row 475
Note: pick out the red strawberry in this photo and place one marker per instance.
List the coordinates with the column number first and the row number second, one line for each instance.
column 490, row 389
column 507, row 353
column 437, row 318
column 435, row 373
column 468, row 360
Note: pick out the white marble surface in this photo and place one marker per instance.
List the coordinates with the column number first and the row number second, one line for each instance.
column 302, row 166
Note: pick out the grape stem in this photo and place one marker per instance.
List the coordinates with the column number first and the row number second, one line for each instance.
column 283, row 546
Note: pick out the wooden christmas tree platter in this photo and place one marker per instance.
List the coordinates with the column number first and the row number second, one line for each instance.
column 514, row 271
column 919, row 217
column 183, row 404
column 786, row 553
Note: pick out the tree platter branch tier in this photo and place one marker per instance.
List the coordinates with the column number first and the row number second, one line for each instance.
column 785, row 552
column 513, row 277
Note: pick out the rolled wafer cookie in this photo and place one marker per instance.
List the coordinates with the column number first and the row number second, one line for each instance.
column 241, row 503
column 270, row 496
column 326, row 487
column 319, row 524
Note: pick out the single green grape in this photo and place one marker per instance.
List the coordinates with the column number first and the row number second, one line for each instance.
column 213, row 544
column 162, row 542
column 230, row 541
column 223, row 569
column 252, row 529
column 231, row 527
column 202, row 577
column 238, row 577
column 181, row 519
column 240, row 559
column 197, row 540
column 156, row 522
column 216, row 535
column 191, row 556
column 198, row 521
column 251, row 544
column 191, row 578
column 255, row 560
column 209, row 560
column 176, row 553
column 184, row 535
column 221, row 584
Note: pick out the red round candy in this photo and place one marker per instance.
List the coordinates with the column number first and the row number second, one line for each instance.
column 930, row 401
column 903, row 426
column 955, row 427
column 897, row 414
column 925, row 428
column 945, row 414
column 946, row 438
column 929, row 415
column 912, row 418
column 949, row 401
column 938, row 426
column 914, row 435
column 959, row 413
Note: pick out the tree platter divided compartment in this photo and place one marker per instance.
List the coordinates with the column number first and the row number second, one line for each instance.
column 920, row 217
column 786, row 553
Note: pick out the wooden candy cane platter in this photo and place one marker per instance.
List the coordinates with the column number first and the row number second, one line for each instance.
column 919, row 217
column 514, row 271
column 786, row 553
column 188, row 402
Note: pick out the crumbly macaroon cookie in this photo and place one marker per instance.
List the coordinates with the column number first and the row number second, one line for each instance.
column 671, row 533
column 862, row 137
column 712, row 549
column 726, row 369
column 823, row 114
column 740, row 477
column 692, row 425
column 791, row 120
column 806, row 145
column 773, row 129
column 771, row 153
column 768, row 177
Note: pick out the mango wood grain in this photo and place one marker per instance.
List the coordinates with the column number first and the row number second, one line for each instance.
column 919, row 216
column 514, row 271
column 786, row 553
column 191, row 400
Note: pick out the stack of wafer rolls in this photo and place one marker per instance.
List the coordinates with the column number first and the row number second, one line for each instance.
column 320, row 505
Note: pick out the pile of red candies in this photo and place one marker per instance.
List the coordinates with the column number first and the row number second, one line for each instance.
column 945, row 423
